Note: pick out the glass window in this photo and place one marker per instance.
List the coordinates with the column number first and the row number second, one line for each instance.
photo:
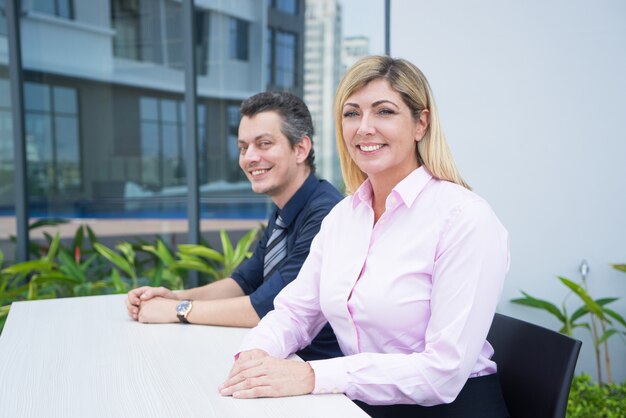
column 125, row 22
column 7, row 168
column 285, row 59
column 52, row 139
column 201, row 44
column 173, row 35
column 152, row 31
column 3, row 18
column 238, row 39
column 36, row 97
column 286, row 6
column 59, row 8
column 162, row 142
column 270, row 56
column 235, row 174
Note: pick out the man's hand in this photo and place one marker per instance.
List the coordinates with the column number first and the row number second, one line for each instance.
column 141, row 294
column 257, row 375
column 158, row 310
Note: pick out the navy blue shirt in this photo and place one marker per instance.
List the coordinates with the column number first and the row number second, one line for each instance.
column 303, row 215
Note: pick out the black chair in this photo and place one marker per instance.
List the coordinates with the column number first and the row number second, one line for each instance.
column 535, row 365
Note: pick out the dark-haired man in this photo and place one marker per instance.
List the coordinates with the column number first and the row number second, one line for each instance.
column 276, row 154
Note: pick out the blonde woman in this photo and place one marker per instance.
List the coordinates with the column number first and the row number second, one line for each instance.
column 408, row 269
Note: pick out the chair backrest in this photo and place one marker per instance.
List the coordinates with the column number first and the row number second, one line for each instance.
column 535, row 366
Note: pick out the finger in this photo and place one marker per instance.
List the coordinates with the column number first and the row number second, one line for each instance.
column 243, row 365
column 133, row 298
column 257, row 392
column 131, row 309
column 256, row 388
column 257, row 370
column 153, row 292
column 244, row 384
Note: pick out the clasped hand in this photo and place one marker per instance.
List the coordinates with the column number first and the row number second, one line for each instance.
column 257, row 375
column 152, row 304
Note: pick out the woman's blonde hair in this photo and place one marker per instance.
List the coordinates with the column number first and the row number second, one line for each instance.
column 405, row 78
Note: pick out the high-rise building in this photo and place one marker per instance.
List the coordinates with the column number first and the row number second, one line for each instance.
column 103, row 101
column 354, row 48
column 322, row 70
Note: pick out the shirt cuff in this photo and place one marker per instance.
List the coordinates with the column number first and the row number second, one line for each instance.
column 330, row 376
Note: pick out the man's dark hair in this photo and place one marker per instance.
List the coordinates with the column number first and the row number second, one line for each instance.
column 295, row 115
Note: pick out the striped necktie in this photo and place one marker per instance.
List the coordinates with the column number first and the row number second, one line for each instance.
column 276, row 249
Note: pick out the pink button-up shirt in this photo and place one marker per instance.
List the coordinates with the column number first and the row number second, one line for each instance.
column 410, row 298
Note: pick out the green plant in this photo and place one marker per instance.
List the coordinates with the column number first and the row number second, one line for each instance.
column 209, row 261
column 587, row 399
column 57, row 273
column 87, row 267
column 594, row 309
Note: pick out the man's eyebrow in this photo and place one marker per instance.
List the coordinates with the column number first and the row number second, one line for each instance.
column 258, row 137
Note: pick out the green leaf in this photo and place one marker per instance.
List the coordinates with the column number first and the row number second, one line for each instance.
column 584, row 296
column 569, row 328
column 127, row 250
column 200, row 250
column 69, row 266
column 117, row 281
column 540, row 304
column 115, row 258
column 92, row 236
column 164, row 253
column 241, row 249
column 605, row 301
column 1, row 257
column 614, row 315
column 158, row 276
column 620, row 267
column 31, row 266
column 227, row 246
column 189, row 264
column 54, row 246
column 580, row 312
column 47, row 222
column 610, row 332
column 78, row 238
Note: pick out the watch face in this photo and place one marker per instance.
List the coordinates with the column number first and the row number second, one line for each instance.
column 183, row 307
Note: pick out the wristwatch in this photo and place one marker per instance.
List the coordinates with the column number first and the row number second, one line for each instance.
column 182, row 310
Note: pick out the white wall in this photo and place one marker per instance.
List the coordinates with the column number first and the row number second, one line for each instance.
column 533, row 99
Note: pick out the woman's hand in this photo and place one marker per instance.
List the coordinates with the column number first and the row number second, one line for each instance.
column 257, row 375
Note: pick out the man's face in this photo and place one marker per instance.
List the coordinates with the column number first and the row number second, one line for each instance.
column 268, row 159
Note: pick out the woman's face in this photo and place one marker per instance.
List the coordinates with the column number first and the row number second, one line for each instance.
column 381, row 133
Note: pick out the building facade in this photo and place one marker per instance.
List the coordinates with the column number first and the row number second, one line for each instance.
column 103, row 102
column 322, row 71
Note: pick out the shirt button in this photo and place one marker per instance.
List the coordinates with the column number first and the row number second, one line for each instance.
column 323, row 391
column 335, row 390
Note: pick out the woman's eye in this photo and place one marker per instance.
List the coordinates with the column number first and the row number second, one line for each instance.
column 350, row 114
column 385, row 111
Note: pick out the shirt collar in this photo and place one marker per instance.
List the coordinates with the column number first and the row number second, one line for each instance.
column 293, row 207
column 408, row 189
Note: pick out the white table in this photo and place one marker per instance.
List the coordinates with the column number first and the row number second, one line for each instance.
column 84, row 357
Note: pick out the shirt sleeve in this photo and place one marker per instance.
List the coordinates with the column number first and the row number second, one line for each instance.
column 470, row 265
column 297, row 317
column 262, row 298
